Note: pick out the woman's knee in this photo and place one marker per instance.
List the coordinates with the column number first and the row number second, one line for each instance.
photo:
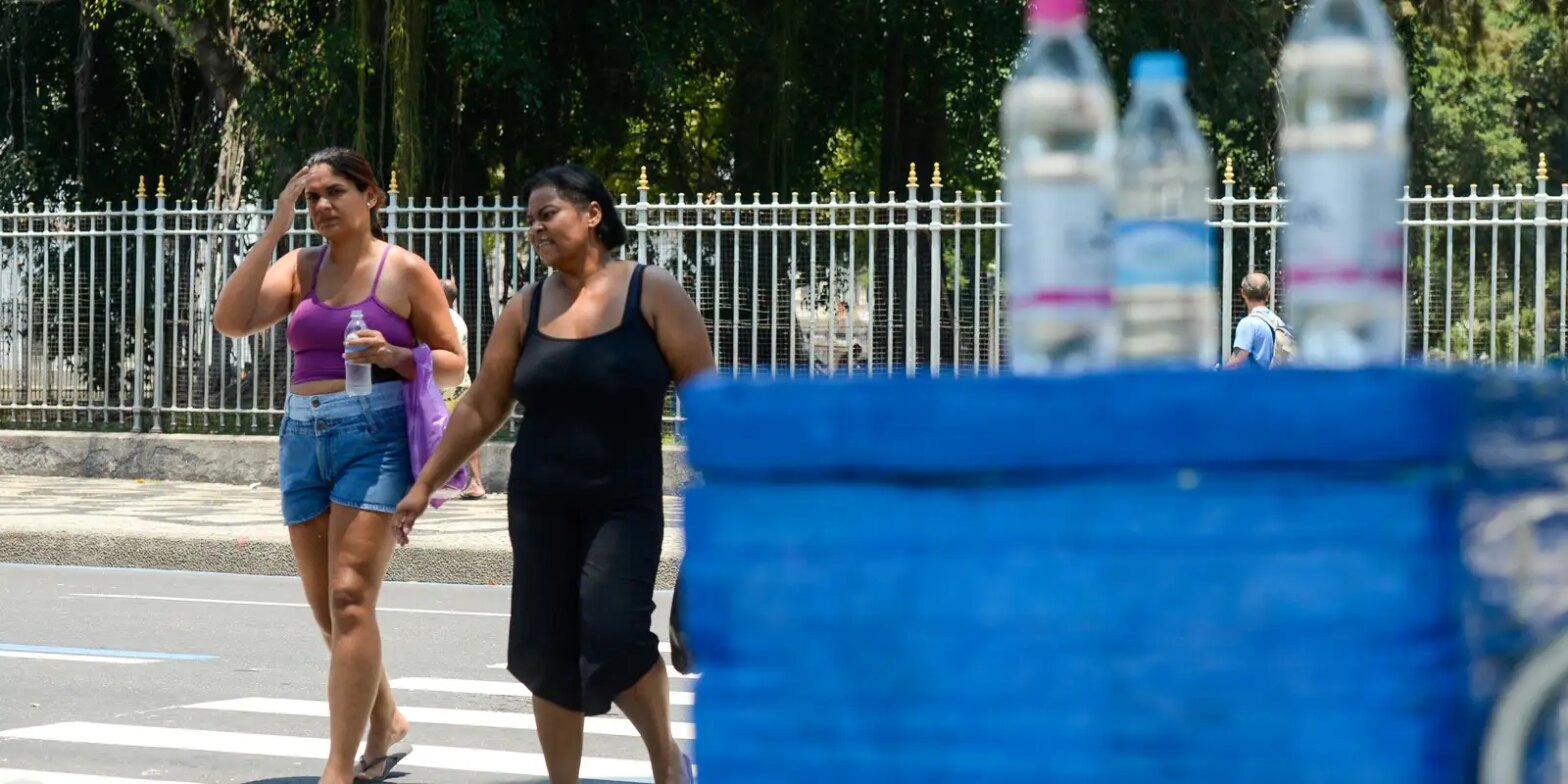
column 349, row 598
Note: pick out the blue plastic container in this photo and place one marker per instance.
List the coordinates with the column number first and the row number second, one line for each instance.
column 1133, row 577
column 1515, row 527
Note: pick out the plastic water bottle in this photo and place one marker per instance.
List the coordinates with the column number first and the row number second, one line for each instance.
column 356, row 377
column 1165, row 287
column 1059, row 139
column 1344, row 155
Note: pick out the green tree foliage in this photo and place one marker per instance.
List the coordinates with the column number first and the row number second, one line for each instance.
column 466, row 97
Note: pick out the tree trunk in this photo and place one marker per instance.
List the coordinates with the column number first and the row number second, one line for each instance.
column 229, row 185
column 84, row 87
column 756, row 109
column 914, row 116
column 207, row 39
column 407, row 63
column 914, row 131
column 362, row 37
column 386, row 62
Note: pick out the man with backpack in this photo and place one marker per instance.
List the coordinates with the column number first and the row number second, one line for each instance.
column 1262, row 339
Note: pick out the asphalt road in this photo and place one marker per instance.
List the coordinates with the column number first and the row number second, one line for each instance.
column 115, row 675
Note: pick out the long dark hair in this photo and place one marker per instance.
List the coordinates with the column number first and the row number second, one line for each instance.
column 580, row 186
column 353, row 167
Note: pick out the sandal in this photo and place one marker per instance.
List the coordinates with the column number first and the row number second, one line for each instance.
column 691, row 770
column 378, row 769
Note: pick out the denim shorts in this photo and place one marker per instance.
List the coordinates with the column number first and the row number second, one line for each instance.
column 344, row 450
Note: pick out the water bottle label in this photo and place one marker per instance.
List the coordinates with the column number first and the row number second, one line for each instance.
column 1059, row 248
column 1163, row 253
column 1344, row 238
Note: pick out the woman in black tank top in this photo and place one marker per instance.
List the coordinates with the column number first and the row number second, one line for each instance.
column 590, row 353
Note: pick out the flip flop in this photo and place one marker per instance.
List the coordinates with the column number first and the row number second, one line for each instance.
column 691, row 771
column 382, row 766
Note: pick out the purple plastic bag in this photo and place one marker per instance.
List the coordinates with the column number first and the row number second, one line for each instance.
column 427, row 417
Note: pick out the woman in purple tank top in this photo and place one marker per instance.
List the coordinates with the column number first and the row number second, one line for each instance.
column 343, row 460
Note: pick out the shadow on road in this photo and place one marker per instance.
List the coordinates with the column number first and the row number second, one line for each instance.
column 395, row 776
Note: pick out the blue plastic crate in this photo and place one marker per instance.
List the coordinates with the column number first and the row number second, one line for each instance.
column 1140, row 576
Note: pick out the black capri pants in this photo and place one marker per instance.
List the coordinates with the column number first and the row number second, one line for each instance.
column 583, row 569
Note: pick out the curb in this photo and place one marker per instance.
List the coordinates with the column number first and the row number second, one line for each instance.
column 427, row 564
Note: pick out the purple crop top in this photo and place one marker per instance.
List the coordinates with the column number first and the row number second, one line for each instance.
column 315, row 331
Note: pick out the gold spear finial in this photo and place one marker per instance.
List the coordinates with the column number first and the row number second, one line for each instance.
column 1540, row 169
column 161, row 191
column 936, row 175
column 393, row 187
column 1230, row 171
column 914, row 181
column 141, row 187
column 642, row 179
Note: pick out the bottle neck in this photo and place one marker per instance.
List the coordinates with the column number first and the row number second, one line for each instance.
column 1056, row 28
column 1164, row 89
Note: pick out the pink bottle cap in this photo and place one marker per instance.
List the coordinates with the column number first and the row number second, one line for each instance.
column 1056, row 10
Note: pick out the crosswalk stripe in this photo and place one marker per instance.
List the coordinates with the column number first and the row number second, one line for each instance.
column 15, row 776
column 251, row 603
column 496, row 688
column 155, row 655
column 516, row 763
column 674, row 674
column 592, row 725
column 74, row 657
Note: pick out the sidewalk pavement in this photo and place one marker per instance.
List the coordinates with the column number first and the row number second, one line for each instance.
column 239, row 529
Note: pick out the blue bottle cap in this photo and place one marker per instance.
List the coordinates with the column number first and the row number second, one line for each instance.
column 1159, row 67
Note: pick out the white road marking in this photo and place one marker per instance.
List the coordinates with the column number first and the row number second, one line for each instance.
column 673, row 673
column 277, row 604
column 592, row 725
column 497, row 689
column 15, row 776
column 74, row 657
column 514, row 763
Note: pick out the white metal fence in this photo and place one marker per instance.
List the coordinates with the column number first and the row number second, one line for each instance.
column 105, row 314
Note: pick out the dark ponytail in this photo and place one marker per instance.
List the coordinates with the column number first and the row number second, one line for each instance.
column 581, row 187
column 353, row 167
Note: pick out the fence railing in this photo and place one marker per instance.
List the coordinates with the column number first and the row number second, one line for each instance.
column 105, row 314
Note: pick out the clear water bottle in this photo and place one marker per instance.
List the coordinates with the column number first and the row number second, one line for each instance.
column 1344, row 155
column 1165, row 289
column 356, row 377
column 1059, row 140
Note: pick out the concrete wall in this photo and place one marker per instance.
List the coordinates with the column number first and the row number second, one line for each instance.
column 235, row 460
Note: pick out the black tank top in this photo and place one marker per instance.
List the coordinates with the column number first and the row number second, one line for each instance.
column 592, row 407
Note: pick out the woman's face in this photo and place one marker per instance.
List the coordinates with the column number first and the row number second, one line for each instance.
column 337, row 207
column 557, row 228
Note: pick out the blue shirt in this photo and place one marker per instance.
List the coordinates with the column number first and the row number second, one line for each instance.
column 1256, row 337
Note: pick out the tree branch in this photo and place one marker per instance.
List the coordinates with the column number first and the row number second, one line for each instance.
column 222, row 63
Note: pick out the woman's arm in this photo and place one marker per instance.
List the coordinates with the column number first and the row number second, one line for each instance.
column 488, row 403
column 432, row 322
column 678, row 325
column 257, row 295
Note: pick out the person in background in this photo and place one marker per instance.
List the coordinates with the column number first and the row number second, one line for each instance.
column 476, row 485
column 590, row 352
column 1257, row 334
column 343, row 460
